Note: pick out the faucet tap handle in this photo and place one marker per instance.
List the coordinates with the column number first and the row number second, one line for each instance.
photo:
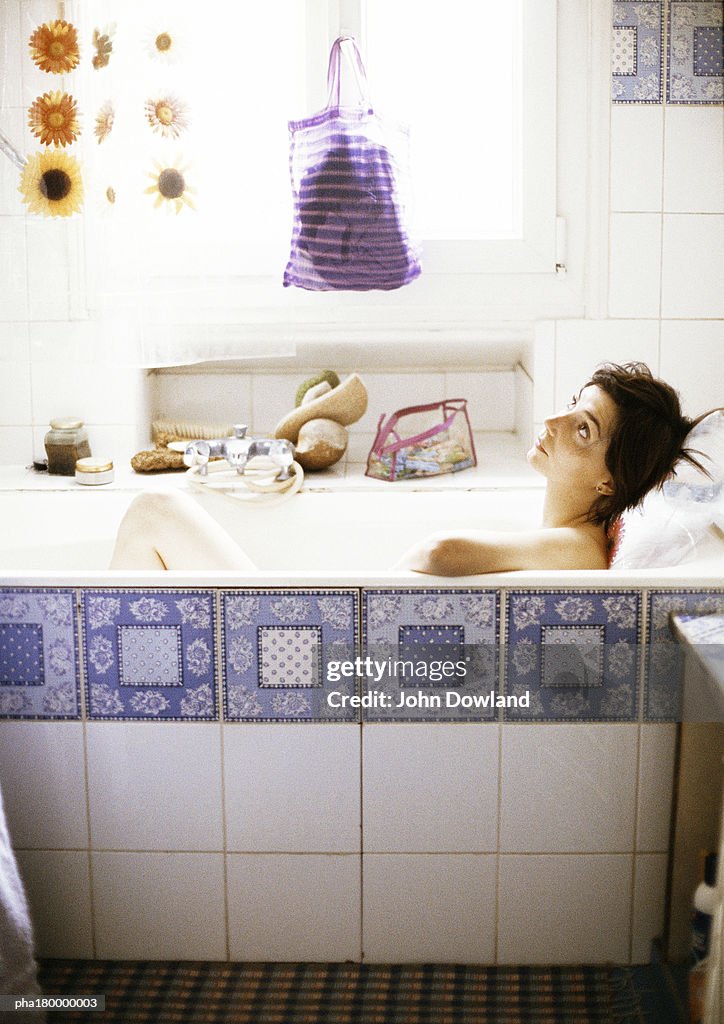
column 240, row 430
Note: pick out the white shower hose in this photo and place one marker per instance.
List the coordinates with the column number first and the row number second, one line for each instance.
column 260, row 478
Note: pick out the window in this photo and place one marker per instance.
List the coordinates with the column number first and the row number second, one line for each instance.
column 478, row 81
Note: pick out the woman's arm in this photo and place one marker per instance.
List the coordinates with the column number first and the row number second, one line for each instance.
column 473, row 552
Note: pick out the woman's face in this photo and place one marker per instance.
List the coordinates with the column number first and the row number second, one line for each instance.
column 572, row 448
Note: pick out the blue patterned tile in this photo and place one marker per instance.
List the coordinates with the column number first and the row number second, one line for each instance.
column 433, row 655
column 575, row 653
column 39, row 664
column 637, row 52
column 695, row 52
column 149, row 654
column 278, row 653
column 664, row 655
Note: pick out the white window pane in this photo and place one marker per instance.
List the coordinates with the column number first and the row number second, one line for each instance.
column 451, row 71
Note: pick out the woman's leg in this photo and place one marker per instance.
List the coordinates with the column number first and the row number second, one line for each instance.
column 172, row 531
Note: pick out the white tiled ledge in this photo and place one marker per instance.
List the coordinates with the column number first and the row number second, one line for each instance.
column 501, row 464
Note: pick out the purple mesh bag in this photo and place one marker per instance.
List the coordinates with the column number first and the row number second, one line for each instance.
column 349, row 175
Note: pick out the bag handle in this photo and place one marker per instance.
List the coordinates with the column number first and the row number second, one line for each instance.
column 346, row 46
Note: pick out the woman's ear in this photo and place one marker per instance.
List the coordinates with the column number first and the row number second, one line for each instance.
column 605, row 487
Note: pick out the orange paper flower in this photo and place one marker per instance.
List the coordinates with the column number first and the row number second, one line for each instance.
column 103, row 45
column 51, row 184
column 54, row 47
column 53, row 118
column 104, row 122
column 167, row 116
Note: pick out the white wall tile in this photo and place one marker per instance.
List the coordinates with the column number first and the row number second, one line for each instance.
column 636, row 157
column 656, row 786
column 635, row 264
column 15, row 393
column 544, row 370
column 298, row 795
column 693, row 257
column 43, row 780
column 16, row 446
column 568, row 788
column 430, row 788
column 691, row 359
column 154, row 786
column 203, row 398
column 57, row 883
column 13, row 269
column 389, row 392
column 48, row 268
column 581, row 345
column 433, row 908
column 649, row 904
column 14, row 343
column 491, row 398
column 524, row 392
column 694, row 160
column 564, row 909
column 294, row 907
column 159, row 906
column 272, row 397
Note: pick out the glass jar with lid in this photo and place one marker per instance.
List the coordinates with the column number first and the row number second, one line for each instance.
column 65, row 443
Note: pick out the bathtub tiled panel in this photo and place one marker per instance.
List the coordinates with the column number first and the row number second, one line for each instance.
column 694, row 56
column 39, row 665
column 576, row 652
column 277, row 645
column 426, row 627
column 691, row 61
column 664, row 655
column 637, row 51
column 149, row 654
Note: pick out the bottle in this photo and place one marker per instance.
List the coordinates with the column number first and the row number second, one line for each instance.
column 704, row 907
column 65, row 443
column 94, row 471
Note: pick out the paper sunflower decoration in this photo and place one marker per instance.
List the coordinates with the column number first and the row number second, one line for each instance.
column 54, row 47
column 104, row 122
column 53, row 118
column 51, row 184
column 170, row 187
column 164, row 45
column 167, row 116
column 103, row 46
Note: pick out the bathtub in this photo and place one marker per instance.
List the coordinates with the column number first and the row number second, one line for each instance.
column 186, row 778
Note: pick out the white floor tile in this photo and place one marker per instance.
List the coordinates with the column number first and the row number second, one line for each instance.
column 159, row 906
column 43, row 784
column 430, row 788
column 656, row 786
column 649, row 904
column 564, row 909
column 57, row 883
column 292, row 788
column 429, row 908
column 154, row 786
column 568, row 788
column 294, row 907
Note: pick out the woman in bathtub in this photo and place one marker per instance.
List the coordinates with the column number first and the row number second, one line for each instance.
column 619, row 438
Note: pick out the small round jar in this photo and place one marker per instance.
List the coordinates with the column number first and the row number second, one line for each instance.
column 65, row 443
column 94, row 471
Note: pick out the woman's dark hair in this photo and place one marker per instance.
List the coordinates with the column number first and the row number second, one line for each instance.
column 647, row 439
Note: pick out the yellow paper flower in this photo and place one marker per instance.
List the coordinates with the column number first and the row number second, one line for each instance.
column 104, row 122
column 167, row 116
column 164, row 44
column 54, row 47
column 170, row 187
column 103, row 46
column 51, row 184
column 53, row 118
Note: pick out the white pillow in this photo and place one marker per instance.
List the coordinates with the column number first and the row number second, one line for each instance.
column 677, row 523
